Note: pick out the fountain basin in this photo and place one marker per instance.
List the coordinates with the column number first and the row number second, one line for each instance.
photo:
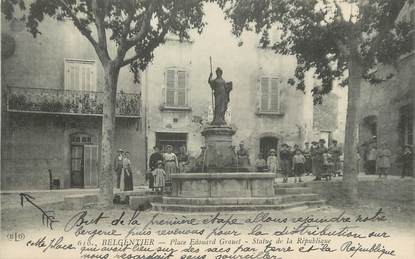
column 223, row 185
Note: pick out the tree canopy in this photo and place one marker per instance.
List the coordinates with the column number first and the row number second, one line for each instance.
column 320, row 33
column 140, row 25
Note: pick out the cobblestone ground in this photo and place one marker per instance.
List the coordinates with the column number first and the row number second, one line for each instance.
column 397, row 223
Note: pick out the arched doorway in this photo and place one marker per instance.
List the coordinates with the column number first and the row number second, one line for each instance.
column 84, row 161
column 266, row 143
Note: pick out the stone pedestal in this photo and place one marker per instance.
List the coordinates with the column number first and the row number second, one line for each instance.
column 219, row 156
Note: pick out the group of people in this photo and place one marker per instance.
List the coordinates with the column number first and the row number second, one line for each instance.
column 163, row 165
column 317, row 159
column 379, row 160
column 124, row 174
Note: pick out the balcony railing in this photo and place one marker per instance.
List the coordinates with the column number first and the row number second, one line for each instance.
column 39, row 100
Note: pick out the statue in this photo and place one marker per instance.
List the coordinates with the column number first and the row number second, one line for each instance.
column 221, row 90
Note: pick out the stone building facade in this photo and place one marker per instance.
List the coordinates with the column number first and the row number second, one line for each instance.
column 329, row 118
column 387, row 109
column 52, row 109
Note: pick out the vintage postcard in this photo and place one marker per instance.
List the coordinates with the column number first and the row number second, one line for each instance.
column 192, row 129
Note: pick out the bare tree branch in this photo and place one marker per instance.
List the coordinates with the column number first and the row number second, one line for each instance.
column 122, row 49
column 145, row 26
column 339, row 10
column 133, row 58
column 85, row 31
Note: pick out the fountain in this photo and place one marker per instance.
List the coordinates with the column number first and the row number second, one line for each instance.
column 216, row 183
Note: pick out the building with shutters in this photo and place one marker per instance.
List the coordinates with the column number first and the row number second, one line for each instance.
column 264, row 109
column 52, row 101
column 52, row 109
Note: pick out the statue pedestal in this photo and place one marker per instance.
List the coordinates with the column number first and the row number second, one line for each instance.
column 209, row 192
column 219, row 156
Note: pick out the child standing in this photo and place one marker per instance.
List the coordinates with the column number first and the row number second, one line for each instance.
column 272, row 162
column 159, row 176
column 383, row 160
column 298, row 165
column 260, row 163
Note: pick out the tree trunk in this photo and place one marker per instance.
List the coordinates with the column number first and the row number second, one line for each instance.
column 350, row 175
column 105, row 197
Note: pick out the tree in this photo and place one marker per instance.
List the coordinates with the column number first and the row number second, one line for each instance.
column 136, row 27
column 342, row 40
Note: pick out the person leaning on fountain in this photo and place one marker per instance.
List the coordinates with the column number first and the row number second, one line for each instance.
column 170, row 163
column 159, row 176
column 243, row 157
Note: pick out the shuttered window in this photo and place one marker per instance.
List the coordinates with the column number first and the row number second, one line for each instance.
column 270, row 95
column 176, row 91
column 80, row 75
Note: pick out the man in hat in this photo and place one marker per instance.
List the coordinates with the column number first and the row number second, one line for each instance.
column 307, row 156
column 313, row 148
column 335, row 153
column 118, row 165
column 152, row 164
column 319, row 159
column 407, row 161
column 285, row 159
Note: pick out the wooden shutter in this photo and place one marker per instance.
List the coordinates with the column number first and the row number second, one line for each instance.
column 274, row 95
column 264, row 93
column 170, row 87
column 181, row 88
column 87, row 77
column 77, row 166
column 91, row 165
column 80, row 75
column 70, row 76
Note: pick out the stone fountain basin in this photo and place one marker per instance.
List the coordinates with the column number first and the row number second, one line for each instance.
column 223, row 185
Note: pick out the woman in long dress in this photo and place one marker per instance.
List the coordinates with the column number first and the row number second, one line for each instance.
column 243, row 158
column 183, row 159
column 170, row 163
column 127, row 173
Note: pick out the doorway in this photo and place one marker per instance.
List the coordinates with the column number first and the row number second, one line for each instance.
column 266, row 144
column 84, row 162
column 176, row 140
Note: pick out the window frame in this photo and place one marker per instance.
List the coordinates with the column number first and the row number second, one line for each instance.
column 176, row 105
column 260, row 110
